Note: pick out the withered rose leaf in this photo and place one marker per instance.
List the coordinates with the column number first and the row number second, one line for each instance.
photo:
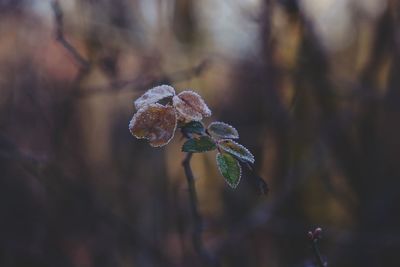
column 154, row 122
column 190, row 106
column 153, row 95
column 185, row 112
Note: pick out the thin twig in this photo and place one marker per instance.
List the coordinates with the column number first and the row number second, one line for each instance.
column 198, row 221
column 261, row 216
column 317, row 254
column 117, row 86
column 59, row 31
column 314, row 237
column 141, row 82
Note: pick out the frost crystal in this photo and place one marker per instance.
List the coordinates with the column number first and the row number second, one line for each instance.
column 153, row 95
column 236, row 150
column 154, row 122
column 157, row 122
column 222, row 130
column 230, row 168
column 190, row 106
column 185, row 112
column 201, row 144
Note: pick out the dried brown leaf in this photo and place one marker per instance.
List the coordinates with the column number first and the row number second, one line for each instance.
column 153, row 95
column 190, row 106
column 154, row 122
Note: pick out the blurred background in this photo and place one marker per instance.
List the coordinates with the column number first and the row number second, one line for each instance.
column 311, row 85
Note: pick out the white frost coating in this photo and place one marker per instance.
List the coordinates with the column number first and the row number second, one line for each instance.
column 158, row 135
column 133, row 122
column 190, row 106
column 223, row 130
column 202, row 106
column 226, row 180
column 185, row 112
column 137, row 115
column 153, row 95
column 244, row 154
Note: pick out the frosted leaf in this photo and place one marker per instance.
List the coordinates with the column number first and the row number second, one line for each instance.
column 196, row 102
column 222, row 130
column 154, row 122
column 193, row 127
column 197, row 145
column 185, row 113
column 236, row 150
column 230, row 168
column 153, row 95
column 190, row 106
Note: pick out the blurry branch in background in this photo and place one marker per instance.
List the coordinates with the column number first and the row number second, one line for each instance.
column 260, row 217
column 198, row 220
column 143, row 81
column 58, row 18
column 314, row 237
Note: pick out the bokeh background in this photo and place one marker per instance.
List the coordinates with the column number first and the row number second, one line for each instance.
column 311, row 85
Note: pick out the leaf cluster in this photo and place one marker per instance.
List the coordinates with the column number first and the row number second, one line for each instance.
column 160, row 111
column 218, row 136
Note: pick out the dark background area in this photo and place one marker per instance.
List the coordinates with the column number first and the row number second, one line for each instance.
column 312, row 86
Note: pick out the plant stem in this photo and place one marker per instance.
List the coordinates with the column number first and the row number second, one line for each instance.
column 198, row 221
column 58, row 17
column 317, row 254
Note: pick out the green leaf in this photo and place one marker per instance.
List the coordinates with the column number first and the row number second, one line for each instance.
column 230, row 168
column 237, row 150
column 222, row 130
column 201, row 144
column 193, row 127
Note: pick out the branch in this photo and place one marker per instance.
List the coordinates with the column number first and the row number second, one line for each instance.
column 198, row 221
column 259, row 217
column 315, row 236
column 58, row 18
column 141, row 82
column 117, row 86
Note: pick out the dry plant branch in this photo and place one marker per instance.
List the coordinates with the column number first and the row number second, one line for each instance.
column 314, row 237
column 116, row 86
column 198, row 220
column 142, row 82
column 59, row 31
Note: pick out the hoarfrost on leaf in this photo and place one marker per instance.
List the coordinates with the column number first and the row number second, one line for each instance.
column 154, row 95
column 230, row 168
column 201, row 144
column 190, row 106
column 236, row 150
column 222, row 130
column 154, row 122
column 185, row 113
column 193, row 127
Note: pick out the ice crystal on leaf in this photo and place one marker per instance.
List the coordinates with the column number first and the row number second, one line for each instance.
column 154, row 122
column 222, row 130
column 157, row 122
column 230, row 168
column 201, row 144
column 236, row 150
column 193, row 127
column 160, row 111
column 190, row 106
column 154, row 95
